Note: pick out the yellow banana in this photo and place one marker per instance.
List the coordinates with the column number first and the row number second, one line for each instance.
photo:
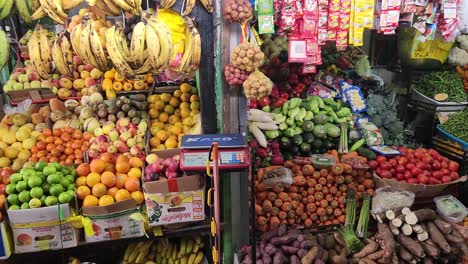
column 191, row 259
column 39, row 13
column 184, row 260
column 51, row 11
column 124, row 5
column 6, row 8
column 196, row 54
column 189, row 248
column 70, row 4
column 58, row 58
column 115, row 9
column 164, row 4
column 24, row 10
column 199, row 257
column 97, row 49
column 86, row 45
column 198, row 240
column 35, row 55
column 175, row 251
column 122, row 45
column 142, row 255
column 5, row 50
column 128, row 251
column 188, row 52
column 132, row 257
column 137, row 44
column 183, row 247
column 46, row 54
column 117, row 60
column 189, row 5
column 165, row 40
column 152, row 44
column 91, row 2
column 75, row 40
column 110, row 10
column 67, row 51
column 196, row 247
column 208, row 5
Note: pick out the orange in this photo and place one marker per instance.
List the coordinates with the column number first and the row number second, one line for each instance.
column 121, row 195
column 138, row 197
column 132, row 184
column 121, row 178
column 112, row 191
column 162, row 135
column 106, row 200
column 92, row 179
column 99, row 189
column 97, row 165
column 80, row 181
column 82, row 192
column 163, row 117
column 108, row 178
column 136, row 162
column 90, row 200
column 185, row 88
column 134, row 172
column 122, row 166
column 83, row 169
column 170, row 143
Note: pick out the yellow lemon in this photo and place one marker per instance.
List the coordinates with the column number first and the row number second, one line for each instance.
column 163, row 117
column 162, row 135
column 170, row 143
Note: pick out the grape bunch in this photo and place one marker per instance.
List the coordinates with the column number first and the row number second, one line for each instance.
column 257, row 86
column 247, row 56
column 237, row 11
column 235, row 76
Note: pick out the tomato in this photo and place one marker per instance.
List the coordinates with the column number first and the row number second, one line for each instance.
column 373, row 164
column 408, row 175
column 381, row 159
column 400, row 176
column 385, row 165
column 393, row 162
column 2, row 189
column 437, row 174
column 446, row 179
column 436, row 165
column 410, row 155
column 402, row 160
column 416, row 171
column 427, row 159
column 420, row 165
column 453, row 166
column 400, row 168
column 433, row 180
column 444, row 164
column 445, row 171
column 413, row 181
column 423, row 179
column 418, row 154
column 385, row 174
column 454, row 175
column 410, row 166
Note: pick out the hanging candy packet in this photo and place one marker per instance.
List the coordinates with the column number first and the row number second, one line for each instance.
column 265, row 16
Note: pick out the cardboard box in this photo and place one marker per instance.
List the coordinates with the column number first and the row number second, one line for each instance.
column 173, row 201
column 420, row 190
column 114, row 221
column 47, row 231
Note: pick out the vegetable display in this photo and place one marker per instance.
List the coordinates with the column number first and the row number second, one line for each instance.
column 446, row 82
column 456, row 125
column 418, row 166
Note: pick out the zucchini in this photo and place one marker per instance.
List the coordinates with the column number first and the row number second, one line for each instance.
column 370, row 155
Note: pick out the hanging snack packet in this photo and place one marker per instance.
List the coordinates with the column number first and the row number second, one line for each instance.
column 265, row 16
column 355, row 99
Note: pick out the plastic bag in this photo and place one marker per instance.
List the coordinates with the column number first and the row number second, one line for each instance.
column 388, row 198
column 21, row 108
column 280, row 175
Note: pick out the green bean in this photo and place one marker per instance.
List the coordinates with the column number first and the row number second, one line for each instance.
column 456, row 125
column 442, row 82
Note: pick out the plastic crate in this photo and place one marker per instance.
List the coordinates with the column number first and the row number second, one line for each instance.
column 435, row 105
column 452, row 147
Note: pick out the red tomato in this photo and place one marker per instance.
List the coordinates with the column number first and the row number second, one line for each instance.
column 400, row 168
column 433, row 180
column 454, row 175
column 400, row 176
column 437, row 174
column 381, row 159
column 402, row 160
column 420, row 165
column 445, row 171
column 446, row 179
column 444, row 164
column 453, row 166
column 373, row 164
column 2, row 189
column 385, row 174
column 423, row 179
column 436, row 165
column 393, row 162
column 410, row 166
column 413, row 181
column 427, row 159
column 385, row 165
column 408, row 174
column 415, row 172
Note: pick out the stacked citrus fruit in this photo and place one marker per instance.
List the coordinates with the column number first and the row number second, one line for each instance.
column 117, row 82
column 172, row 116
column 106, row 180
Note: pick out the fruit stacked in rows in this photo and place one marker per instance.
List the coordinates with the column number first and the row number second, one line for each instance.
column 117, row 82
column 173, row 116
column 63, row 145
column 41, row 185
column 17, row 139
column 101, row 25
column 106, row 180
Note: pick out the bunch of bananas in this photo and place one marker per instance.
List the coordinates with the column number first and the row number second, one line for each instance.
column 189, row 5
column 88, row 45
column 192, row 48
column 188, row 251
column 5, row 50
column 115, row 7
column 55, row 9
column 24, row 8
column 40, row 52
column 62, row 54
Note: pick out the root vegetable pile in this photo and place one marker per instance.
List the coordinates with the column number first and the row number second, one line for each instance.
column 235, row 76
column 247, row 56
column 237, row 11
column 418, row 166
column 257, row 86
column 315, row 197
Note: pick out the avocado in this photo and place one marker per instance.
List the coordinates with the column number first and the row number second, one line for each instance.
column 308, row 137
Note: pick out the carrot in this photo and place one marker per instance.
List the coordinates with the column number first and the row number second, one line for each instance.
column 328, row 222
column 348, row 179
column 361, row 188
column 261, row 196
column 337, row 212
column 291, row 221
column 349, row 155
column 267, row 206
column 323, row 218
column 289, row 164
column 294, row 196
column 318, row 196
column 339, row 179
column 322, row 181
column 274, row 222
column 311, row 182
column 286, row 206
column 282, row 215
column 346, row 168
column 351, row 186
column 316, row 175
column 261, row 220
column 321, row 211
column 342, row 219
column 343, row 188
column 317, row 203
column 310, row 190
column 337, row 169
column 330, row 179
column 296, row 169
column 361, row 172
column 278, row 203
column 299, row 211
column 308, row 222
column 283, row 196
column 318, row 187
column 308, row 170
column 299, row 180
column 323, row 203
column 342, row 200
column 314, row 217
column 274, row 211
column 310, row 199
column 277, row 188
column 370, row 192
column 260, row 174
column 368, row 175
column 329, row 210
column 329, row 197
column 295, row 204
column 304, row 216
column 368, row 184
column 291, row 214
column 262, row 228
column 283, row 221
column 360, row 179
column 334, row 153
column 272, row 196
column 336, row 222
column 310, row 207
column 304, row 193
column 334, row 204
column 333, row 190
column 354, row 173
column 304, row 200
column 325, row 190
column 258, row 209
column 261, row 187
column 293, row 189
column 323, row 172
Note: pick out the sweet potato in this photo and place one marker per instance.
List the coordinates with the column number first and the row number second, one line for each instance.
column 329, row 242
column 270, row 234
column 323, row 255
column 310, row 256
column 284, row 240
column 443, row 226
column 289, row 249
column 336, row 258
column 282, row 230
column 294, row 260
column 430, row 248
column 259, row 261
column 366, row 261
column 386, row 241
column 301, row 253
column 280, row 258
column 339, row 240
column 463, row 230
column 321, row 239
column 453, row 239
column 270, row 249
column 266, row 258
column 376, row 255
column 427, row 260
column 438, row 238
column 412, row 245
column 306, row 244
column 319, row 261
column 370, row 248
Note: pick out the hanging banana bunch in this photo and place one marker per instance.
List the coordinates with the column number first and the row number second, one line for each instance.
column 62, row 54
column 192, row 48
column 115, row 7
column 5, row 49
column 6, row 7
column 55, row 9
column 40, row 52
column 208, row 5
column 87, row 45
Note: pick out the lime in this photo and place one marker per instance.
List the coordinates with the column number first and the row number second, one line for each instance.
column 25, row 206
column 35, row 203
column 56, row 165
column 34, row 181
column 70, row 178
column 27, row 173
column 65, row 183
column 10, row 188
column 54, row 178
column 43, row 197
column 36, row 192
column 40, row 165
column 15, row 177
column 12, row 199
column 46, row 187
column 51, row 200
column 56, row 189
column 48, row 170
column 21, row 186
column 14, row 207
column 71, row 187
column 71, row 192
column 65, row 197
column 66, row 170
column 24, row 196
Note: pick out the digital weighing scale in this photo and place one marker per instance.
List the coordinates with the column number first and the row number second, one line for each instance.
column 232, row 149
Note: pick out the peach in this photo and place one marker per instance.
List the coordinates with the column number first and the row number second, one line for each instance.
column 84, row 74
column 77, row 60
column 65, row 83
column 34, row 76
column 88, row 67
column 78, row 84
column 95, row 73
column 80, row 68
column 89, row 82
column 63, row 93
column 76, row 75
column 76, row 19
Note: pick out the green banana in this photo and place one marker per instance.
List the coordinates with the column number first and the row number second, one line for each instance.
column 5, row 50
column 24, row 10
column 6, row 9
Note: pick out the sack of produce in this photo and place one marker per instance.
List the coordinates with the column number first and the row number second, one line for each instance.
column 257, row 85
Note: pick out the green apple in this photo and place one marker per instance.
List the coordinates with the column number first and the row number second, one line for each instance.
column 56, row 165
column 66, row 170
column 56, row 189
column 71, row 187
column 15, row 177
column 46, row 187
column 54, row 178
column 65, row 183
column 51, row 200
column 36, row 192
column 49, row 169
column 34, row 181
column 10, row 188
column 43, row 197
column 71, row 192
column 14, row 207
column 24, row 196
column 65, row 197
column 21, row 186
column 40, row 165
column 35, row 203
column 25, row 206
column 70, row 178
column 12, row 199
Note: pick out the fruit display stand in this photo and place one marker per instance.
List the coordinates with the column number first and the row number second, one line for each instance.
column 36, row 95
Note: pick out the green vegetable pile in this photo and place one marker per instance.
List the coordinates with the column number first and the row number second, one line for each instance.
column 310, row 125
column 456, row 125
column 442, row 82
